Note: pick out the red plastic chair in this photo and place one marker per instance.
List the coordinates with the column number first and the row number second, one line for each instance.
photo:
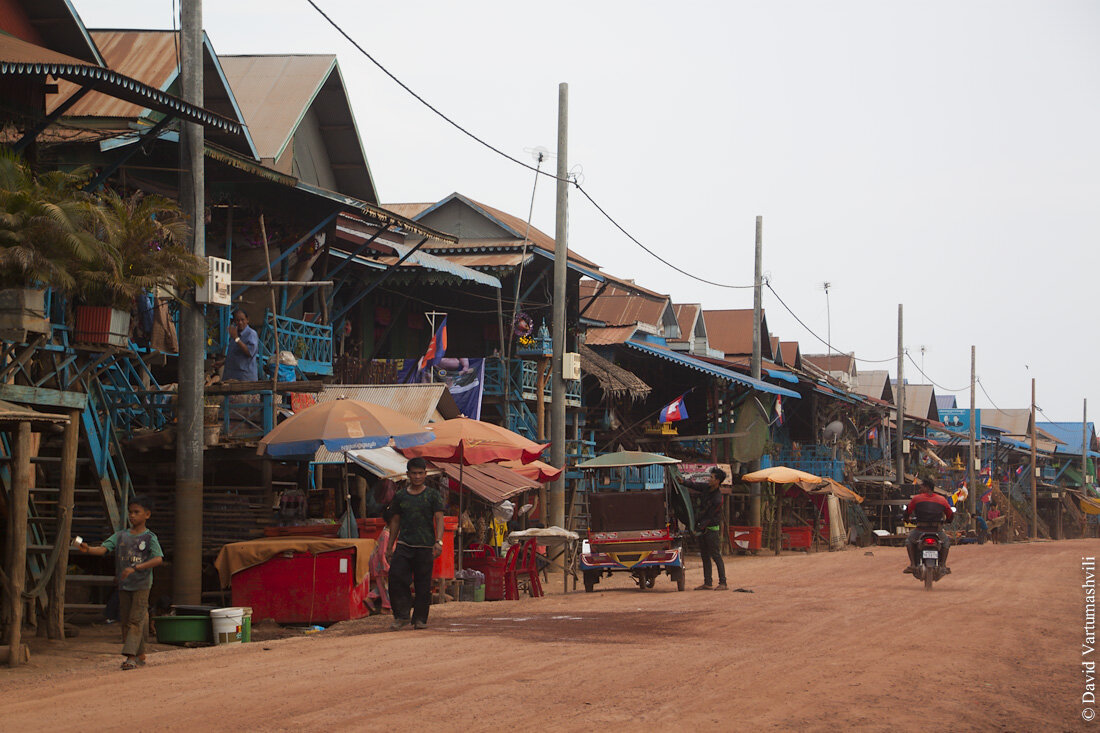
column 521, row 569
column 511, row 584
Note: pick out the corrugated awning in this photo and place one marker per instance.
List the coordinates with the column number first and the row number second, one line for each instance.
column 425, row 260
column 382, row 462
column 491, row 482
column 20, row 58
column 714, row 371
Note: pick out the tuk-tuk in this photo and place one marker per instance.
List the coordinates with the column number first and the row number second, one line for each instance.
column 634, row 526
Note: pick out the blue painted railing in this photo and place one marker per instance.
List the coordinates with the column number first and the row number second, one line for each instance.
column 815, row 459
column 311, row 343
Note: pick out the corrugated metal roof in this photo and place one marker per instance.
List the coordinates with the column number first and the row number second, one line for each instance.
column 946, row 402
column 19, row 58
column 1069, row 434
column 608, row 336
column 151, row 57
column 617, row 307
column 371, row 213
column 792, row 355
column 730, row 331
column 845, row 363
column 277, row 92
column 346, row 229
column 686, row 316
column 422, row 403
column 715, row 371
column 492, row 482
column 410, row 210
column 874, row 383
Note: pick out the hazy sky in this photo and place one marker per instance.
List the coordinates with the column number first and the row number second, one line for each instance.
column 942, row 155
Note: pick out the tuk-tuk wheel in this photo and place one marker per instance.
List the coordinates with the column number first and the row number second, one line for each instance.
column 679, row 576
column 590, row 580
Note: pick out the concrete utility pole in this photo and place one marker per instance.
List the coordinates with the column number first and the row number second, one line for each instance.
column 1034, row 469
column 561, row 254
column 899, row 398
column 971, row 477
column 754, row 489
column 187, row 550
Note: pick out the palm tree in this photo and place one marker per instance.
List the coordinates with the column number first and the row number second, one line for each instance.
column 43, row 233
column 142, row 247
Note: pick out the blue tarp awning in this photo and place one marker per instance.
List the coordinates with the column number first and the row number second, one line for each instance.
column 714, row 371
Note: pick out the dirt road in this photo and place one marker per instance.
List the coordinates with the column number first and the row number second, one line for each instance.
column 825, row 641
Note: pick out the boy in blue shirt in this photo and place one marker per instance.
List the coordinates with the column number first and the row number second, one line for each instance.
column 137, row 552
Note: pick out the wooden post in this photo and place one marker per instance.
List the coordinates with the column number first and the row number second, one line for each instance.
column 17, row 562
column 1034, row 489
column 540, row 403
column 55, row 614
column 778, row 518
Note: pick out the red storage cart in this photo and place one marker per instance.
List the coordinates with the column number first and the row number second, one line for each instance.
column 303, row 580
column 745, row 538
column 797, row 538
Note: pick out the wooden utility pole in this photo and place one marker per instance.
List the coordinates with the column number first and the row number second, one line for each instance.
column 1034, row 470
column 899, row 399
column 556, row 514
column 1085, row 447
column 757, row 297
column 55, row 616
column 17, row 558
column 187, row 548
column 971, row 477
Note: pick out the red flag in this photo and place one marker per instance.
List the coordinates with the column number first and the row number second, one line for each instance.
column 437, row 347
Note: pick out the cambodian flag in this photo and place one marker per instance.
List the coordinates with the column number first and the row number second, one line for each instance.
column 986, row 497
column 675, row 410
column 872, row 434
column 779, row 409
column 437, row 347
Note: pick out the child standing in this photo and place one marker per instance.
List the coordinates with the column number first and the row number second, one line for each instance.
column 137, row 552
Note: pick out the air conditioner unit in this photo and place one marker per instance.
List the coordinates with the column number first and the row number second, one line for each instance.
column 217, row 289
column 571, row 366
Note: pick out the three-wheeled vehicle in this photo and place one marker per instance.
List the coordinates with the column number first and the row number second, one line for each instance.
column 634, row 530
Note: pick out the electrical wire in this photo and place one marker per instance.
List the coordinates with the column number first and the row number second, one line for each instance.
column 933, row 382
column 982, row 387
column 794, row 315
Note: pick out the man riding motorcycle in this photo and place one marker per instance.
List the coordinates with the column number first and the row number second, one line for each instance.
column 930, row 511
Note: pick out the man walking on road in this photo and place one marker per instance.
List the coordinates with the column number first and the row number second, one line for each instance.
column 416, row 540
column 710, row 538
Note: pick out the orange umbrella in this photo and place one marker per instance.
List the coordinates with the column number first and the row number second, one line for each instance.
column 340, row 425
column 472, row 442
column 535, row 470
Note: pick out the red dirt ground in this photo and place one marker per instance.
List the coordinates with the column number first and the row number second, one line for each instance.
column 825, row 641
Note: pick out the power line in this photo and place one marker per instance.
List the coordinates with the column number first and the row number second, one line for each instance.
column 934, row 383
column 813, row 333
column 982, row 387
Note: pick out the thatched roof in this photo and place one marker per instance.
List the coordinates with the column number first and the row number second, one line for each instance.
column 614, row 380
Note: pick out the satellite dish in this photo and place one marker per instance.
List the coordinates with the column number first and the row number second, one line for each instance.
column 832, row 431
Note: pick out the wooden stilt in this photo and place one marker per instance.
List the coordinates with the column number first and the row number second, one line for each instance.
column 55, row 614
column 17, row 561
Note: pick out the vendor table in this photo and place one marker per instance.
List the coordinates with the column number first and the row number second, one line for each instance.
column 554, row 537
column 298, row 579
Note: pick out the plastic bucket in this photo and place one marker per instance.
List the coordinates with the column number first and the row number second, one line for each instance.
column 226, row 623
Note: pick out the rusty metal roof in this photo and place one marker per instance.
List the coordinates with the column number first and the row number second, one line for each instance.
column 792, row 356
column 20, row 58
column 617, row 307
column 845, row 363
column 730, row 331
column 609, row 335
column 686, row 315
column 410, row 210
column 278, row 93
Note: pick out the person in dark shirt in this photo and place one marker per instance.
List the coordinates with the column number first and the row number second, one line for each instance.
column 710, row 531
column 930, row 511
column 416, row 540
column 137, row 552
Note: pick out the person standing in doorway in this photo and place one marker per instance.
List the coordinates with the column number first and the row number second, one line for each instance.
column 416, row 540
column 710, row 535
column 244, row 346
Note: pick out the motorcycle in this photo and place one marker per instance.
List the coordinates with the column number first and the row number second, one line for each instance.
column 929, row 568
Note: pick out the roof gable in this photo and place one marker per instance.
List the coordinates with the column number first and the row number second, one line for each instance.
column 874, row 383
column 842, row 363
column 299, row 97
column 791, row 354
column 615, row 306
column 730, row 331
column 52, row 24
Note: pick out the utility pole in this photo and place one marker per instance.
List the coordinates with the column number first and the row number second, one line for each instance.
column 899, row 398
column 971, row 477
column 556, row 512
column 1034, row 470
column 757, row 296
column 187, row 550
